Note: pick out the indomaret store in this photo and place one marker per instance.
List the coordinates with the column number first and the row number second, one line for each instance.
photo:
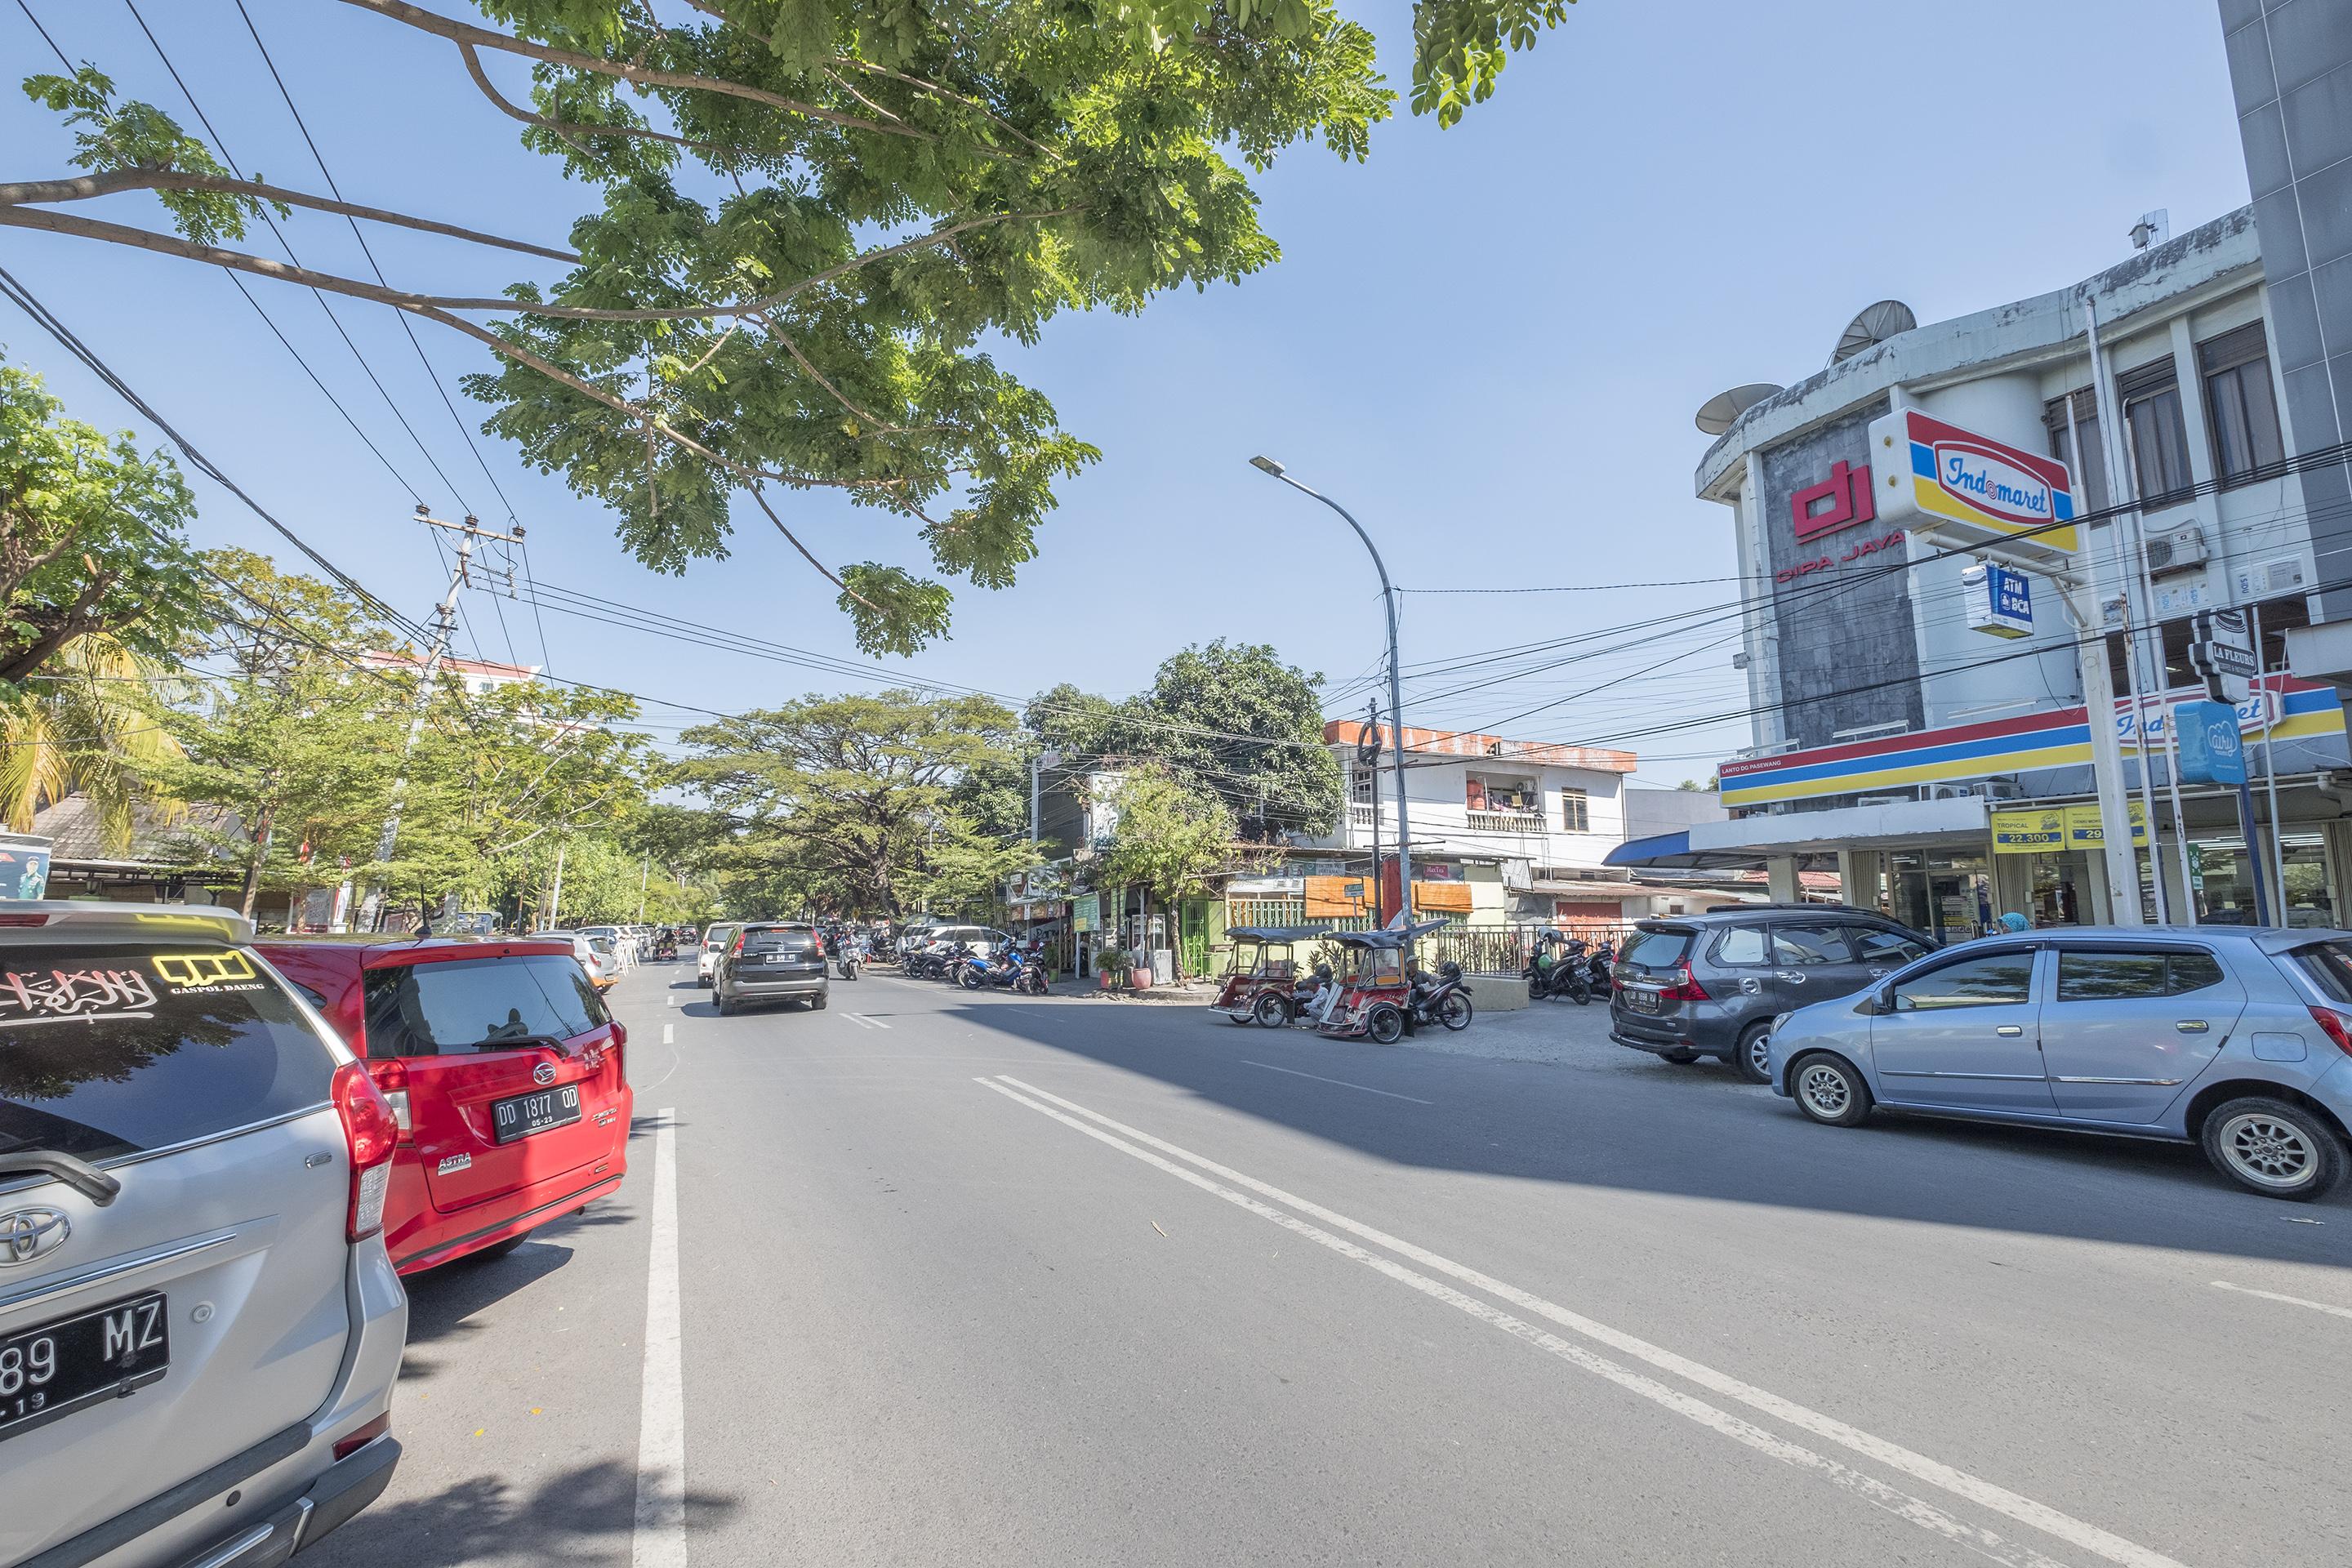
column 1920, row 724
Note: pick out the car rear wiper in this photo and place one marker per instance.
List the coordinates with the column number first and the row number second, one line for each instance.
column 516, row 1042
column 80, row 1174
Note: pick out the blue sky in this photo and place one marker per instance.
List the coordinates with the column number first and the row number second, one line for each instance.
column 1487, row 342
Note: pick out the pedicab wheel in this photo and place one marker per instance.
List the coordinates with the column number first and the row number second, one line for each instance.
column 1271, row 1012
column 1454, row 1012
column 1386, row 1023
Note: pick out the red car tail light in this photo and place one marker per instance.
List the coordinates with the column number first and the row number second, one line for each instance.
column 24, row 920
column 2335, row 1026
column 362, row 1436
column 1685, row 988
column 371, row 1132
column 737, row 946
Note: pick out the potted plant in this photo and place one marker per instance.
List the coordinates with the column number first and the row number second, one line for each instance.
column 1112, row 967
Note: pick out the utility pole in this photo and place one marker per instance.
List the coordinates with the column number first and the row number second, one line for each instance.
column 644, row 871
column 445, row 623
column 555, row 892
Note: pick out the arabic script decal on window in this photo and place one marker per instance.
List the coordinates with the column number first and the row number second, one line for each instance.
column 60, row 995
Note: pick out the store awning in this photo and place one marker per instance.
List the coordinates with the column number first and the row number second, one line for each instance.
column 1744, row 842
column 1672, row 851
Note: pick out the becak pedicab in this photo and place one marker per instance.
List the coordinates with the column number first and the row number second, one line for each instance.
column 1373, row 985
column 1262, row 984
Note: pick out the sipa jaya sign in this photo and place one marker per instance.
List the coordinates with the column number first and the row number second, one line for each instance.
column 1949, row 476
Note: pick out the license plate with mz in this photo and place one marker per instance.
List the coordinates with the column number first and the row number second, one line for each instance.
column 528, row 1113
column 54, row 1368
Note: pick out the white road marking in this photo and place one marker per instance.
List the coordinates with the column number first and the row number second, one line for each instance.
column 672, row 1001
column 2022, row 1509
column 660, row 1541
column 869, row 1020
column 1877, row 1493
column 2290, row 1301
column 857, row 1020
column 1343, row 1083
column 669, row 1033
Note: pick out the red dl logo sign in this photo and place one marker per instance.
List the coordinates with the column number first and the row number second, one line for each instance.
column 1839, row 501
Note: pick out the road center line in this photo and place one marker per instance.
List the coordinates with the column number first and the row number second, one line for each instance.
column 869, row 1020
column 2290, row 1301
column 1984, row 1493
column 659, row 1539
column 1343, row 1083
column 669, row 1033
column 1872, row 1490
column 857, row 1020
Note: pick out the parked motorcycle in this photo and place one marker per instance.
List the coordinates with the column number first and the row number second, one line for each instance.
column 1565, row 974
column 1439, row 998
column 941, row 963
column 1003, row 971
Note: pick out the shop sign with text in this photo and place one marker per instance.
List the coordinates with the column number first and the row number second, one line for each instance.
column 1932, row 469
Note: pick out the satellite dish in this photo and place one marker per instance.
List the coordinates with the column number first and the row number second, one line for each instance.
column 1876, row 324
column 1718, row 413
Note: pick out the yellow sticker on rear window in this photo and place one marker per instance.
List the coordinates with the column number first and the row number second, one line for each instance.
column 195, row 971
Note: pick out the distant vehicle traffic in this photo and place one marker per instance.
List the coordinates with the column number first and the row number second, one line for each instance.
column 715, row 941
column 2237, row 1038
column 504, row 1071
column 772, row 961
column 199, row 1325
column 1709, row 985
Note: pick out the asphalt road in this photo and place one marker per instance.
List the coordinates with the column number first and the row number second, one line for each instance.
column 931, row 1278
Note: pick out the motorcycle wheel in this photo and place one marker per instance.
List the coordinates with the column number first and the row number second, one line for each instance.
column 1579, row 992
column 1455, row 1011
column 968, row 980
column 1386, row 1025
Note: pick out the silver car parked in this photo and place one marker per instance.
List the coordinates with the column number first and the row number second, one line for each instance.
column 199, row 1328
column 2236, row 1039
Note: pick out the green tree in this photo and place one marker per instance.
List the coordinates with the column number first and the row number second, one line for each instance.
column 1168, row 838
column 849, row 804
column 1231, row 719
column 809, row 221
column 92, row 537
column 292, row 740
column 88, row 723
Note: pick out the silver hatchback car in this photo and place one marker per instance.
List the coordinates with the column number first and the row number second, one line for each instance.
column 2236, row 1039
column 199, row 1328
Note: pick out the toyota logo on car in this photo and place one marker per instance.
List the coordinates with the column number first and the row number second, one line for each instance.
column 28, row 1234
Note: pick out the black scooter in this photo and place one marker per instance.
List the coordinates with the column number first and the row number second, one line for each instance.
column 1439, row 998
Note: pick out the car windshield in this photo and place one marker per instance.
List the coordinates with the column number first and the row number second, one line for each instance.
column 425, row 1009
column 1656, row 949
column 108, row 1050
column 779, row 938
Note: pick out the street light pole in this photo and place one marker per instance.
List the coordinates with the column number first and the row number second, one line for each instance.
column 1396, row 693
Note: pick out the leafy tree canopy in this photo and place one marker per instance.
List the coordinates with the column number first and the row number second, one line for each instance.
column 92, row 536
column 849, row 805
column 806, row 219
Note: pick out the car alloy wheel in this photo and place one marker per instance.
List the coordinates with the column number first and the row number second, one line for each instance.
column 1754, row 1059
column 2266, row 1150
column 1830, row 1090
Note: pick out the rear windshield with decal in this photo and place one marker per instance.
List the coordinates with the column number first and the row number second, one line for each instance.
column 113, row 1049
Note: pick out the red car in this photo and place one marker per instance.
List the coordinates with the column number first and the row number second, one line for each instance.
column 503, row 1069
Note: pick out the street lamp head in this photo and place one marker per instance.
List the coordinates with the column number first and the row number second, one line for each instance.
column 1268, row 464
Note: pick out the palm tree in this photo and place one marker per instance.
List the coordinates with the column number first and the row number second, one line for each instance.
column 90, row 721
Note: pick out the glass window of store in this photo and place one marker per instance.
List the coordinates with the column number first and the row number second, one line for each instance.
column 2159, row 435
column 2225, row 888
column 1942, row 893
column 2089, row 465
column 2239, row 404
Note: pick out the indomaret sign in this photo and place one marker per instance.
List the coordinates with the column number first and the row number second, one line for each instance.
column 1967, row 488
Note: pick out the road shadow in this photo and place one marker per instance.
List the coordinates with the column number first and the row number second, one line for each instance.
column 1607, row 1116
column 587, row 1512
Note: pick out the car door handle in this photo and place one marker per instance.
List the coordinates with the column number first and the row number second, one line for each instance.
column 2192, row 1026
column 1790, row 977
column 2009, row 1031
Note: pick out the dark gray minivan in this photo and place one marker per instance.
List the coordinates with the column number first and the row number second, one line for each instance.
column 1687, row 986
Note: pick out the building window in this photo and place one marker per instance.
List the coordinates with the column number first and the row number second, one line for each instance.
column 1575, row 812
column 1360, row 786
column 2090, row 466
column 2159, row 436
column 2239, row 404
column 1506, row 796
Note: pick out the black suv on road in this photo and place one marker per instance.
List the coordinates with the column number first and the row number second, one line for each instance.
column 1687, row 986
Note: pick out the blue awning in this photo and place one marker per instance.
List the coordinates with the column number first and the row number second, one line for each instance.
column 1672, row 851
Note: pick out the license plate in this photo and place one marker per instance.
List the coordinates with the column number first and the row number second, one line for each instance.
column 60, row 1367
column 1640, row 1001
column 537, row 1112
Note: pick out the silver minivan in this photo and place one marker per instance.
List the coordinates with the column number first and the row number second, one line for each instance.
column 199, row 1327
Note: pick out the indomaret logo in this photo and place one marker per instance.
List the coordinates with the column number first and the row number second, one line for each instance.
column 1982, row 476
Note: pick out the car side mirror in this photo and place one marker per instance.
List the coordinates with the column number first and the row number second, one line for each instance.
column 1883, row 999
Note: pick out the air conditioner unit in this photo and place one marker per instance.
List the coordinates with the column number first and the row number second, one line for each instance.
column 1882, row 800
column 1953, row 792
column 2267, row 578
column 2179, row 550
column 2003, row 789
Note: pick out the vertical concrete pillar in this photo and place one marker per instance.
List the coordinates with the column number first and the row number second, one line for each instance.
column 1861, row 879
column 1780, row 879
column 2099, row 904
